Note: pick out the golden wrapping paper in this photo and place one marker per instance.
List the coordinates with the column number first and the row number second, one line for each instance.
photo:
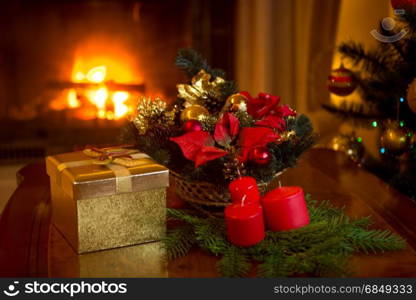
column 99, row 207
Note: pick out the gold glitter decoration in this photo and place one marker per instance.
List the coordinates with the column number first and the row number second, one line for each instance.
column 200, row 89
column 152, row 112
column 287, row 135
column 92, row 215
column 208, row 122
column 120, row 220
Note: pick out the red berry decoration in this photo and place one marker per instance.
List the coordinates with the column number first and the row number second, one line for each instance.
column 192, row 126
column 341, row 81
column 260, row 155
column 403, row 4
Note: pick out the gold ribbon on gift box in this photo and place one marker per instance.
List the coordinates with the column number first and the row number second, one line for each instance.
column 117, row 159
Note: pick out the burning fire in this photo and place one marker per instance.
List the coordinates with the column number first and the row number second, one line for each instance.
column 92, row 95
column 108, row 104
column 105, row 81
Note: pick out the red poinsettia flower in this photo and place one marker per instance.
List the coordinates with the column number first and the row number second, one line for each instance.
column 262, row 105
column 254, row 137
column 226, row 129
column 273, row 121
column 284, row 111
column 198, row 146
column 266, row 104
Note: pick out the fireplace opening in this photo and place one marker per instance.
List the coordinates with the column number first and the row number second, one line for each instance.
column 71, row 72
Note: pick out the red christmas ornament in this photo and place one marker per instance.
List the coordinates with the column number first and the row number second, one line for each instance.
column 403, row 4
column 260, row 155
column 341, row 81
column 191, row 126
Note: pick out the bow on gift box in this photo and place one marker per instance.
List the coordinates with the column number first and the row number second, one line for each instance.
column 117, row 159
column 118, row 155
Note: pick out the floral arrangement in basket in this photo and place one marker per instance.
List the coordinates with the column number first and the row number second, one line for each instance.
column 215, row 133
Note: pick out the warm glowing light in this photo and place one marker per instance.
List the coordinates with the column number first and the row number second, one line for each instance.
column 58, row 104
column 79, row 76
column 120, row 97
column 98, row 97
column 101, row 114
column 97, row 74
column 109, row 115
column 72, row 99
column 120, row 108
column 95, row 66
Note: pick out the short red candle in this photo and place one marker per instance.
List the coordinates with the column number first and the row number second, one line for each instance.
column 244, row 188
column 285, row 208
column 245, row 224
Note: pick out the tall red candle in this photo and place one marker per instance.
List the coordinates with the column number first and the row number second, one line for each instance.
column 244, row 188
column 245, row 224
column 285, row 208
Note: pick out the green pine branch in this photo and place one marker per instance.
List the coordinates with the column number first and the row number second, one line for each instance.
column 211, row 236
column 191, row 62
column 274, row 266
column 179, row 241
column 374, row 241
column 371, row 61
column 234, row 263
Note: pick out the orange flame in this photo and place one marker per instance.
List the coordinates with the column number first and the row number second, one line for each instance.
column 72, row 98
column 97, row 74
column 110, row 106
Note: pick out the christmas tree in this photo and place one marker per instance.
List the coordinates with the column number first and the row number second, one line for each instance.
column 386, row 79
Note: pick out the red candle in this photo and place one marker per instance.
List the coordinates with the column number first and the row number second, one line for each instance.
column 245, row 224
column 244, row 188
column 285, row 208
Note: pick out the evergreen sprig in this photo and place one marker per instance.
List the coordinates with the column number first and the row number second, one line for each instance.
column 179, row 241
column 234, row 263
column 320, row 249
column 191, row 62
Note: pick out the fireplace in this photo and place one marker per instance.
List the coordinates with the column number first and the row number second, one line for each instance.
column 71, row 72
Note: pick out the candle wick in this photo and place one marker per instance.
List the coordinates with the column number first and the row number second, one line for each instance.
column 243, row 200
column 238, row 172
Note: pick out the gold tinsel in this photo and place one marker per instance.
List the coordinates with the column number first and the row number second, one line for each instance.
column 152, row 112
column 287, row 135
column 208, row 122
column 200, row 89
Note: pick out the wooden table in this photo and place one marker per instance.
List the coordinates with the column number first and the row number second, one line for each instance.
column 31, row 246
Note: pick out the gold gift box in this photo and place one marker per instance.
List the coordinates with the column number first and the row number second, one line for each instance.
column 98, row 207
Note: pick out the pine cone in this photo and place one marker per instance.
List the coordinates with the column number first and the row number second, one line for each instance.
column 160, row 134
column 233, row 169
column 213, row 103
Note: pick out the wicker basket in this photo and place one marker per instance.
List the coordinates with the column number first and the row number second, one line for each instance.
column 208, row 194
